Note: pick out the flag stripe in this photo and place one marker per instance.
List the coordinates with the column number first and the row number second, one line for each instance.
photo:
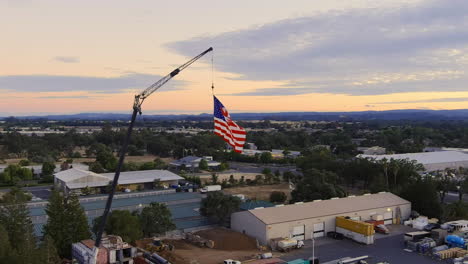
column 226, row 128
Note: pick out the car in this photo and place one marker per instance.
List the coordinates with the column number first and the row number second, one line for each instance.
column 381, row 229
column 431, row 226
column 335, row 235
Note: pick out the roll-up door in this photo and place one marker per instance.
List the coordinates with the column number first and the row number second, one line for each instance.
column 299, row 232
column 388, row 218
column 319, row 230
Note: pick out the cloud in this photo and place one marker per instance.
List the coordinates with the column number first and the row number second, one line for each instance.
column 67, row 59
column 419, row 47
column 435, row 100
column 49, row 83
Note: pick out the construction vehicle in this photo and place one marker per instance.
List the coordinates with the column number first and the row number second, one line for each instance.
column 199, row 241
column 139, row 99
column 157, row 245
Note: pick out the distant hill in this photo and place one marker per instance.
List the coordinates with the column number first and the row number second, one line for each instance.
column 422, row 115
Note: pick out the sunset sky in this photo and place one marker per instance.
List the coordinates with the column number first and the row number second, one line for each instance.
column 60, row 57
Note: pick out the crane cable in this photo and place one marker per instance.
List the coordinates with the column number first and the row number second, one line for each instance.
column 212, row 74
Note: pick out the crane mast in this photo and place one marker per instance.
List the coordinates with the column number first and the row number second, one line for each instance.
column 139, row 99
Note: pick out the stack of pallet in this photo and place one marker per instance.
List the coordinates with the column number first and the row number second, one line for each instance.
column 451, row 253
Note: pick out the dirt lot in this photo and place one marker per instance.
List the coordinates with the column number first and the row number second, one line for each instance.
column 260, row 192
column 228, row 245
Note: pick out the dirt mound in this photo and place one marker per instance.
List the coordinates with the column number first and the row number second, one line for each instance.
column 225, row 239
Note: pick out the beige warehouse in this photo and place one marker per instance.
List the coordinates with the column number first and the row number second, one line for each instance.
column 315, row 219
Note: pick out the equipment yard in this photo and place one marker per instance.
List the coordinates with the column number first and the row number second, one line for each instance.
column 260, row 192
column 227, row 244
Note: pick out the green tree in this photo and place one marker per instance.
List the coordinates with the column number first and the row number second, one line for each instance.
column 278, row 197
column 159, row 164
column 14, row 217
column 106, row 158
column 48, row 168
column 219, row 207
column 266, row 157
column 96, row 167
column 423, row 197
column 156, row 220
column 317, row 184
column 7, row 254
column 67, row 222
column 24, row 162
column 455, row 211
column 121, row 223
column 214, row 178
column 203, row 164
column 48, row 253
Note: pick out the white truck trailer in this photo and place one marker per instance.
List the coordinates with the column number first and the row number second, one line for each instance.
column 210, row 188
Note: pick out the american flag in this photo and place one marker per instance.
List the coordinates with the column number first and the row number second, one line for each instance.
column 224, row 127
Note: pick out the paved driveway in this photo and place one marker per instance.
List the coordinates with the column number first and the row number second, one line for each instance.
column 386, row 248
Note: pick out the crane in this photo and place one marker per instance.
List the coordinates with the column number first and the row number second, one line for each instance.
column 139, row 99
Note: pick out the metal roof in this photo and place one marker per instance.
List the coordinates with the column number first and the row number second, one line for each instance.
column 74, row 174
column 294, row 212
column 76, row 178
column 131, row 177
column 424, row 157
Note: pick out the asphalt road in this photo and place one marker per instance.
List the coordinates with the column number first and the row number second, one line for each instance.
column 389, row 249
column 42, row 192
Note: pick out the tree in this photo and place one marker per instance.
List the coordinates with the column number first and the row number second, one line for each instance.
column 159, row 164
column 86, row 190
column 423, row 197
column 106, row 158
column 67, row 222
column 203, row 164
column 156, row 220
column 14, row 217
column 47, row 252
column 121, row 223
column 442, row 183
column 224, row 166
column 266, row 157
column 24, row 162
column 455, row 211
column 6, row 251
column 214, row 178
column 48, row 168
column 278, row 197
column 317, row 184
column 14, row 173
column 96, row 167
column 219, row 207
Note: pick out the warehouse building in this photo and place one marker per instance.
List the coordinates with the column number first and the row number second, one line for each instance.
column 315, row 219
column 432, row 161
column 75, row 180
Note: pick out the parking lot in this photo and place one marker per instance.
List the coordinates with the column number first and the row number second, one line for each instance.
column 387, row 248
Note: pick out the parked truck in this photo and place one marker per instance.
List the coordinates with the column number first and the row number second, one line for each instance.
column 379, row 226
column 286, row 244
column 210, row 188
column 356, row 230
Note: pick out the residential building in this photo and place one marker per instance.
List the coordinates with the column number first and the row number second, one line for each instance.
column 315, row 219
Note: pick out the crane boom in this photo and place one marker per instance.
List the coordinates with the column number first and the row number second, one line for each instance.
column 155, row 86
column 136, row 109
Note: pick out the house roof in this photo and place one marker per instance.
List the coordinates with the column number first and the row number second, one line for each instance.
column 294, row 212
column 425, row 157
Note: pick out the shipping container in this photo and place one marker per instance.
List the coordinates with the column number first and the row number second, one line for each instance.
column 363, row 228
column 356, row 236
